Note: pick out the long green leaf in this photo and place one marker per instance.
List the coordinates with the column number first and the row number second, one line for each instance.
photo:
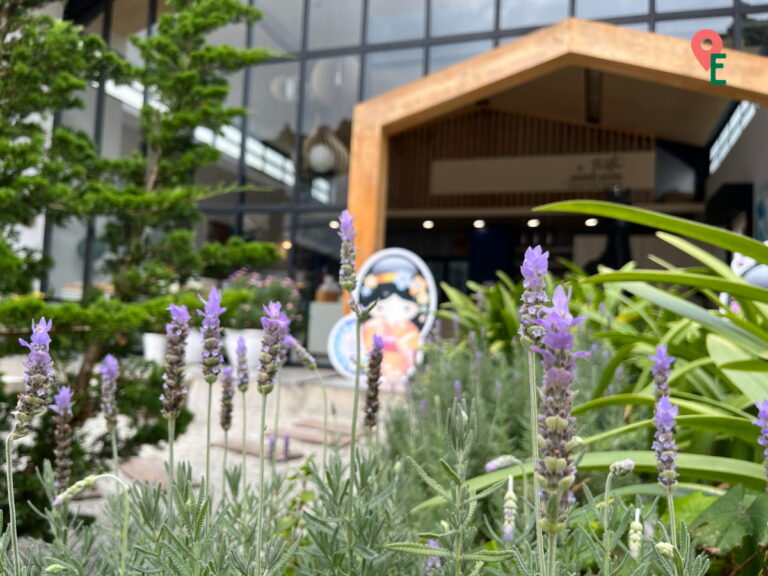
column 702, row 281
column 703, row 467
column 702, row 232
column 728, row 425
column 752, row 384
column 646, row 400
column 712, row 262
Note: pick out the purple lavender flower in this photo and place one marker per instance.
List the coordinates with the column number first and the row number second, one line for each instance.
column 243, row 377
column 374, row 380
column 109, row 372
column 62, row 419
column 347, row 276
column 503, row 461
column 555, row 467
column 458, row 392
column 176, row 332
column 762, row 422
column 664, row 442
column 287, row 447
column 306, row 359
column 212, row 346
column 662, row 366
column 275, row 329
column 227, row 393
column 434, row 565
column 271, row 444
column 38, row 378
column 534, row 270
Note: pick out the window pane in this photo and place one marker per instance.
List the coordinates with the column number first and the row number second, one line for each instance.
column 644, row 26
column 675, row 5
column 603, row 9
column 461, row 16
column 754, row 31
column 519, row 13
column 387, row 70
column 330, row 94
column 273, row 105
column 391, row 20
column 443, row 56
column 280, row 25
column 687, row 28
column 334, row 23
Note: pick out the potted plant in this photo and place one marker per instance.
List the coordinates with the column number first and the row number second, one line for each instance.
column 245, row 320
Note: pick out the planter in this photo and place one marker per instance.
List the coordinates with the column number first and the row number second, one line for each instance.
column 155, row 344
column 252, row 342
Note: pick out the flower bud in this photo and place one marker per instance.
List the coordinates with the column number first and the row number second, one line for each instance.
column 665, row 549
column 622, row 467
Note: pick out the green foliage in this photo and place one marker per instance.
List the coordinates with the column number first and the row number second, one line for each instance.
column 220, row 260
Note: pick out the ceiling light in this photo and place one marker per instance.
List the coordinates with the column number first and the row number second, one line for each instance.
column 428, row 224
column 533, row 223
column 591, row 222
column 479, row 224
column 334, row 224
column 287, row 244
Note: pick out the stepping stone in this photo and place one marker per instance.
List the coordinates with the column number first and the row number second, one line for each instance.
column 252, row 448
column 149, row 469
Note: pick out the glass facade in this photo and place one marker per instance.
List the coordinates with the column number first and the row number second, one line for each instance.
column 292, row 164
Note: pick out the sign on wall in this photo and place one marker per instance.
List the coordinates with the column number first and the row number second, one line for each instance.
column 550, row 173
column 405, row 293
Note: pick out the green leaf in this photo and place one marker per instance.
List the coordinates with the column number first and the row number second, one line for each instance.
column 758, row 512
column 752, row 384
column 418, row 549
column 703, row 232
column 751, row 365
column 728, row 425
column 699, row 466
column 723, row 525
column 488, row 555
column 451, row 472
column 646, row 400
column 712, row 262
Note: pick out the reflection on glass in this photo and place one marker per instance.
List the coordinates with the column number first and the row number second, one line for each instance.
column 754, row 33
column 443, row 56
column 387, row 70
column 687, row 28
column 334, row 23
column 274, row 227
column 522, row 13
column 461, row 16
column 280, row 25
column 330, row 93
column 392, row 20
column 603, row 9
column 675, row 5
column 128, row 17
column 274, row 98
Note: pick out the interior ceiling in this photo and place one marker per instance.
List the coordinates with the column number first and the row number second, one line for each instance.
column 618, row 102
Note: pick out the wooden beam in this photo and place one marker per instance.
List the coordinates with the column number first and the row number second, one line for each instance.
column 652, row 57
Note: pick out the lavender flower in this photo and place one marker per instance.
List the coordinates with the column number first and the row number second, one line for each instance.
column 212, row 346
column 227, row 393
column 458, row 392
column 176, row 332
column 555, row 467
column 662, row 366
column 374, row 380
column 664, row 442
column 62, row 419
column 38, row 378
column 275, row 329
column 433, row 565
column 271, row 443
column 762, row 422
column 109, row 372
column 622, row 467
column 306, row 359
column 534, row 270
column 503, row 461
column 243, row 377
column 347, row 276
column 287, row 447
column 510, row 512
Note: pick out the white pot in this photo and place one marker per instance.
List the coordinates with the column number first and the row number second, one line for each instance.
column 154, row 347
column 252, row 338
